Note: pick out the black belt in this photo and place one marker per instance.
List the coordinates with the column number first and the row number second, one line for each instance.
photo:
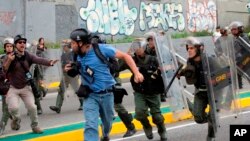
column 105, row 91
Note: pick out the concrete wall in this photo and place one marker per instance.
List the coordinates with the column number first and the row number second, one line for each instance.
column 55, row 19
column 11, row 17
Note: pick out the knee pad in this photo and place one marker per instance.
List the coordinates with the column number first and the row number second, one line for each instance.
column 158, row 119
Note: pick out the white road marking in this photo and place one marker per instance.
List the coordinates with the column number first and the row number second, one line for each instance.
column 173, row 128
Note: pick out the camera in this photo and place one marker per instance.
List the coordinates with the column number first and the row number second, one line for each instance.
column 28, row 76
column 74, row 71
column 33, row 85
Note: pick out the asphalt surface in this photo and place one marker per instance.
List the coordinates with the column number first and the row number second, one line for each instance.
column 190, row 131
column 180, row 131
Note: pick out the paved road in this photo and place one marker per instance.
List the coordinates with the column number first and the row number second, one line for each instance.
column 190, row 131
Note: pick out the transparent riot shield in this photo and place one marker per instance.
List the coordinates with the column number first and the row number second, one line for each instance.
column 32, row 49
column 53, row 75
column 242, row 57
column 220, row 78
column 168, row 65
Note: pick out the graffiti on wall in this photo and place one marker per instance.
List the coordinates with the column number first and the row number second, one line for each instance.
column 248, row 6
column 168, row 15
column 109, row 17
column 7, row 17
column 201, row 15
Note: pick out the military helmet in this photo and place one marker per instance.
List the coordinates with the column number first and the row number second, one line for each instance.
column 137, row 44
column 192, row 41
column 235, row 24
column 8, row 40
column 80, row 34
column 149, row 35
column 19, row 37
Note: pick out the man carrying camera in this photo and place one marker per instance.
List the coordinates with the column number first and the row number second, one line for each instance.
column 17, row 65
column 97, row 82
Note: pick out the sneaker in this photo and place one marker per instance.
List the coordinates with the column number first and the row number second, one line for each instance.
column 129, row 133
column 104, row 139
column 149, row 132
column 56, row 109
column 37, row 130
column 15, row 124
column 2, row 127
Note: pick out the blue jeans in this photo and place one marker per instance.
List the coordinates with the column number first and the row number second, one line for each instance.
column 93, row 106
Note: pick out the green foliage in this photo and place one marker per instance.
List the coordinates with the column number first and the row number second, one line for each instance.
column 126, row 39
column 1, row 49
column 195, row 34
column 180, row 35
column 52, row 45
column 247, row 29
column 202, row 33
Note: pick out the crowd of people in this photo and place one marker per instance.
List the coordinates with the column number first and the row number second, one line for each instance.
column 88, row 58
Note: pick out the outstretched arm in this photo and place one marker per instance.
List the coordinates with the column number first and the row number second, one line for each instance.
column 130, row 62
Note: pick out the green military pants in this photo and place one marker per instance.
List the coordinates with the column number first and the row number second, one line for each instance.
column 198, row 111
column 144, row 102
column 5, row 111
column 64, row 84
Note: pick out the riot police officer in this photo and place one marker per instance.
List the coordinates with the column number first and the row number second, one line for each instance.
column 147, row 94
column 237, row 29
column 194, row 75
column 150, row 50
column 67, row 56
column 8, row 48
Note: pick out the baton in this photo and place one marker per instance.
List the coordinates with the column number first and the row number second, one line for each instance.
column 172, row 80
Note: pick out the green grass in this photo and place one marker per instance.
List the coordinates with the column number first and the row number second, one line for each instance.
column 1, row 50
column 202, row 33
column 52, row 45
column 195, row 34
column 180, row 35
column 126, row 39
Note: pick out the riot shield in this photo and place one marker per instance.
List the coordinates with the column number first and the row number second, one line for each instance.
column 242, row 57
column 168, row 65
column 220, row 78
column 32, row 49
column 53, row 75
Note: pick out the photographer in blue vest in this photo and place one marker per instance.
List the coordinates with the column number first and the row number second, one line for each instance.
column 97, row 82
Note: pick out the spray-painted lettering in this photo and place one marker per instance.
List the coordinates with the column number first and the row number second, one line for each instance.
column 201, row 16
column 7, row 17
column 110, row 17
column 169, row 15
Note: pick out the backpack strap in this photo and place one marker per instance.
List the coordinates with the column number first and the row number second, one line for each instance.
column 100, row 55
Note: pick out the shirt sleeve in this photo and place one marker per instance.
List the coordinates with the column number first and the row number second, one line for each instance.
column 108, row 51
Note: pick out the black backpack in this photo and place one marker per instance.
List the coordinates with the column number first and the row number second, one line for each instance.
column 111, row 62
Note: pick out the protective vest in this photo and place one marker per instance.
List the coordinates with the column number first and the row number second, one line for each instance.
column 153, row 83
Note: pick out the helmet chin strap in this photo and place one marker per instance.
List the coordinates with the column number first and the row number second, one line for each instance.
column 79, row 50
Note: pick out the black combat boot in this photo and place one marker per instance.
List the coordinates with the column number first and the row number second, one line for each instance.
column 105, row 139
column 56, row 109
column 147, row 128
column 162, row 131
column 127, row 121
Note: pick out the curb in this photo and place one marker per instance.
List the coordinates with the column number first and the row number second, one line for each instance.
column 74, row 131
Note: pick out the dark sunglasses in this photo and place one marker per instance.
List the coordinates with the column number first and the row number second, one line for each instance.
column 21, row 42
